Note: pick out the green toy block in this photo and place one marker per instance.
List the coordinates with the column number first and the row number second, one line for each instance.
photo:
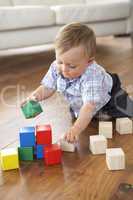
column 31, row 109
column 25, row 153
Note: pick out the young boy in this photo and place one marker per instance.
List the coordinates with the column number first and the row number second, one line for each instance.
column 86, row 85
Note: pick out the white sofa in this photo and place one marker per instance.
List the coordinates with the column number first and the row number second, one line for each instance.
column 31, row 23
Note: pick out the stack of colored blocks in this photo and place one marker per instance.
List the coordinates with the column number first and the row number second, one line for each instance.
column 39, row 142
column 27, row 143
column 43, row 138
column 33, row 141
column 44, row 147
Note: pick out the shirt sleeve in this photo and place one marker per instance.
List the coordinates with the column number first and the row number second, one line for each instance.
column 96, row 90
column 50, row 79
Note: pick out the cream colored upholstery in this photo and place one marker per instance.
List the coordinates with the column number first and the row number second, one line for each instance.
column 30, row 23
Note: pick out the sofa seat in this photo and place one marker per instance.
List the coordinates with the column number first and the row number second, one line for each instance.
column 92, row 11
column 26, row 17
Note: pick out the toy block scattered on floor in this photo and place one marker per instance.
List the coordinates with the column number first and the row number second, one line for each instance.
column 124, row 126
column 44, row 134
column 25, row 153
column 65, row 146
column 9, row 159
column 98, row 144
column 53, row 154
column 27, row 137
column 106, row 129
column 31, row 109
column 115, row 158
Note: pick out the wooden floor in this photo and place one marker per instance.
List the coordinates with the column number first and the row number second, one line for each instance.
column 82, row 176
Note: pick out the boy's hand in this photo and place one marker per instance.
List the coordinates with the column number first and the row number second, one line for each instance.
column 30, row 98
column 72, row 135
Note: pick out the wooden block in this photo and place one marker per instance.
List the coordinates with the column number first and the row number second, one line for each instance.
column 115, row 158
column 40, row 153
column 9, row 159
column 53, row 154
column 31, row 109
column 44, row 134
column 65, row 146
column 27, row 137
column 124, row 126
column 25, row 153
column 98, row 144
column 106, row 129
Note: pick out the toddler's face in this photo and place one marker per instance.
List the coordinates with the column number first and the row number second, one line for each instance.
column 72, row 63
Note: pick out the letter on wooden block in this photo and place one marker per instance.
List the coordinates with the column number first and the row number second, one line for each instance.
column 106, row 129
column 98, row 144
column 115, row 158
column 124, row 125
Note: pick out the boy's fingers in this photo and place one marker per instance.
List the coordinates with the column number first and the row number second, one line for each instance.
column 28, row 99
column 34, row 98
column 23, row 103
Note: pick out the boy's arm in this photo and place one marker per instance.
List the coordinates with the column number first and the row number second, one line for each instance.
column 42, row 93
column 39, row 94
column 84, row 118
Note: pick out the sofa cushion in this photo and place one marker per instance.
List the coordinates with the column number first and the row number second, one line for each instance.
column 5, row 2
column 46, row 2
column 25, row 17
column 93, row 11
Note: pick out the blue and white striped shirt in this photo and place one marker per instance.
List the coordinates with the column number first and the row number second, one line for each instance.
column 94, row 85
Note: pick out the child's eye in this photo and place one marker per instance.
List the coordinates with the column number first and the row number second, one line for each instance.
column 72, row 67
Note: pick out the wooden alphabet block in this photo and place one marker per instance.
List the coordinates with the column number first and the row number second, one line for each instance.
column 98, row 144
column 124, row 126
column 106, row 129
column 65, row 146
column 115, row 158
column 9, row 159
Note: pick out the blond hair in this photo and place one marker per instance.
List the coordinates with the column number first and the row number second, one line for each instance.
column 74, row 35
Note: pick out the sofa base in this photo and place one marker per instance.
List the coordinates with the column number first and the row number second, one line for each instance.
column 13, row 41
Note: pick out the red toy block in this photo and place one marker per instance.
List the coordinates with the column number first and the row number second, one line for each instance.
column 43, row 134
column 53, row 154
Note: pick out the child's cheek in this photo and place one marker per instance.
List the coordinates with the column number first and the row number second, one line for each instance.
column 58, row 68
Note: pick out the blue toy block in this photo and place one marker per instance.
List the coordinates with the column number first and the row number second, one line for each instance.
column 40, row 151
column 27, row 137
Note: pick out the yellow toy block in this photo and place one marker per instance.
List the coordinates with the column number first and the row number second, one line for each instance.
column 9, row 159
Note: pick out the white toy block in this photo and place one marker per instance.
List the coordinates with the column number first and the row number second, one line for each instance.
column 106, row 129
column 65, row 146
column 115, row 158
column 98, row 144
column 124, row 125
